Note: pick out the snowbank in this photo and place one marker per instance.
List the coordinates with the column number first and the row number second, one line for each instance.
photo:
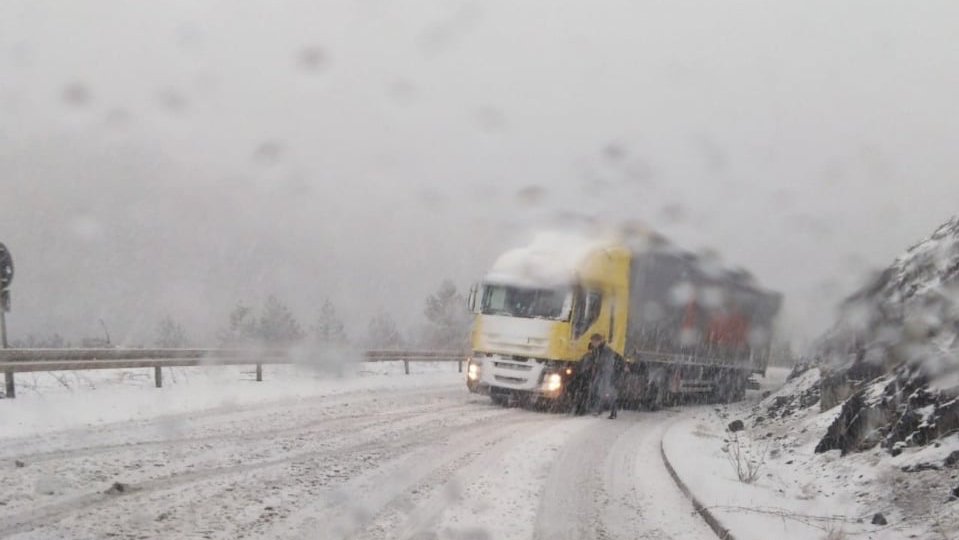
column 867, row 441
column 54, row 401
column 797, row 493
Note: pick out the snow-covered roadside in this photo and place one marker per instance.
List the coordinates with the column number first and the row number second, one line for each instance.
column 50, row 402
column 798, row 494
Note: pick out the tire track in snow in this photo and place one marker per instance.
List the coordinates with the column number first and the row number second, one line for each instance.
column 495, row 495
column 609, row 483
column 72, row 476
column 568, row 506
column 398, row 491
column 50, row 475
column 240, row 435
column 377, row 472
column 376, row 431
column 216, row 424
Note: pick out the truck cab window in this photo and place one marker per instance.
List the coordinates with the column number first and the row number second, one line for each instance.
column 529, row 303
column 587, row 312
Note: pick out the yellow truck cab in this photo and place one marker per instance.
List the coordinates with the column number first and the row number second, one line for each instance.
column 537, row 308
column 683, row 326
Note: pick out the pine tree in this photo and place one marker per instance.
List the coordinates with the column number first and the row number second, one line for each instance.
column 277, row 325
column 170, row 334
column 383, row 333
column 329, row 328
column 242, row 329
column 448, row 316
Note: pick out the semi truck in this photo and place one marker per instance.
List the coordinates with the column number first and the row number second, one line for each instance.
column 684, row 325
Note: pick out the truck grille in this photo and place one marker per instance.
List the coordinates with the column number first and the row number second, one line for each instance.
column 515, row 367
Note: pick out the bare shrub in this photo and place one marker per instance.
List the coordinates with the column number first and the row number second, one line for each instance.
column 746, row 457
column 835, row 534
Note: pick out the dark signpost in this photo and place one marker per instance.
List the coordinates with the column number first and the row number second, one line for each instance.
column 6, row 278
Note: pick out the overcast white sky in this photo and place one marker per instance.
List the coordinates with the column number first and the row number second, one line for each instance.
column 177, row 157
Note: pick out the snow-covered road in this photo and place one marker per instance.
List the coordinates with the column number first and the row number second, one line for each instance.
column 419, row 461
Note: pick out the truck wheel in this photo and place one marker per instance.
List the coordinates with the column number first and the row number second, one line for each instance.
column 740, row 390
column 729, row 389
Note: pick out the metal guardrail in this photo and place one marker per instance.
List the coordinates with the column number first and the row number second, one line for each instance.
column 38, row 360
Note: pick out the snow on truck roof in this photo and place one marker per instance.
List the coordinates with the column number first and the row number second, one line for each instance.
column 551, row 259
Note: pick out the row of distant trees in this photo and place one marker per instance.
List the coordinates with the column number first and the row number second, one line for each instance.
column 275, row 324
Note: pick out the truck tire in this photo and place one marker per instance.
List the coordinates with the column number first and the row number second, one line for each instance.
column 730, row 387
column 740, row 388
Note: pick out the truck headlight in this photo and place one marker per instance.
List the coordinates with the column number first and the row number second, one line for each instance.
column 472, row 371
column 554, row 381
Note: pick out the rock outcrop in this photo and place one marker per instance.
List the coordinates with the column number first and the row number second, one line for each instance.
column 892, row 361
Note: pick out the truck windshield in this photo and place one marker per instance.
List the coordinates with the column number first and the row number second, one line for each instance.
column 528, row 303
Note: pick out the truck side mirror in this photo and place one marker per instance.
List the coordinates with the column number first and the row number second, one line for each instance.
column 471, row 301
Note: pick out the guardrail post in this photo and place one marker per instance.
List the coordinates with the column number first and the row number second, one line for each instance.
column 11, row 389
column 259, row 373
column 406, row 366
column 9, row 386
column 459, row 366
column 158, row 376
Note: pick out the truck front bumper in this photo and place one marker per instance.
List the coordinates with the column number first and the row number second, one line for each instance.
column 493, row 376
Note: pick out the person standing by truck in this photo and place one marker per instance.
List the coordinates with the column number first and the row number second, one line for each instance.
column 607, row 372
column 580, row 387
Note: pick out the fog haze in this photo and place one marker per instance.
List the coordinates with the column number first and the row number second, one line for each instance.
column 176, row 158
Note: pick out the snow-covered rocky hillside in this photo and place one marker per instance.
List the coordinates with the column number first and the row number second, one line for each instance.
column 863, row 440
column 876, row 411
column 893, row 358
